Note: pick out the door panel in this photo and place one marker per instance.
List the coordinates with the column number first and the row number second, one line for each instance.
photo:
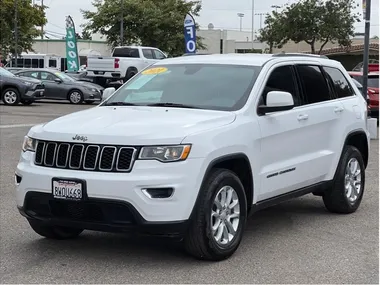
column 53, row 90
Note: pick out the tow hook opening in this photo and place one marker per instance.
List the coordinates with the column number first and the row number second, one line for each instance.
column 18, row 179
column 158, row 193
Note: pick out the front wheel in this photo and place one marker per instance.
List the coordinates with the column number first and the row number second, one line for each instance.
column 54, row 232
column 217, row 227
column 347, row 190
column 11, row 96
column 75, row 97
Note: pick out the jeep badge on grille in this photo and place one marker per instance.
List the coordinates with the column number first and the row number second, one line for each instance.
column 79, row 138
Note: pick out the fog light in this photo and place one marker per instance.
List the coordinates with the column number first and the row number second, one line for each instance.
column 158, row 193
column 18, row 179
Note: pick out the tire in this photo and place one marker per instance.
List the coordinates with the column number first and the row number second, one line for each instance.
column 129, row 75
column 54, row 232
column 336, row 199
column 11, row 97
column 26, row 102
column 199, row 241
column 75, row 97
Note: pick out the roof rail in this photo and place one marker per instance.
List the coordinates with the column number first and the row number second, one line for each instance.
column 298, row 54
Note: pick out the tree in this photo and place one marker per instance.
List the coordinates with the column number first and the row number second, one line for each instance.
column 272, row 33
column 316, row 21
column 86, row 35
column 146, row 22
column 30, row 18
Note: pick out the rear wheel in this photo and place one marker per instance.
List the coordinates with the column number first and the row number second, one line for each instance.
column 219, row 220
column 54, row 232
column 347, row 191
column 11, row 96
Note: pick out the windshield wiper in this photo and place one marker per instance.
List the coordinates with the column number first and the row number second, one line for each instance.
column 120, row 104
column 176, row 105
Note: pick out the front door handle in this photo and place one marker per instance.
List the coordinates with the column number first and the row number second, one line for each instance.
column 302, row 117
column 338, row 110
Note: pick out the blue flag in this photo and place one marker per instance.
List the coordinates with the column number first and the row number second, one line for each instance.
column 190, row 34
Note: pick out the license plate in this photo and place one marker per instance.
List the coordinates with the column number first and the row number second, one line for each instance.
column 67, row 189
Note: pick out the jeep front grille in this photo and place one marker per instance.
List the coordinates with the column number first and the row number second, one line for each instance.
column 88, row 157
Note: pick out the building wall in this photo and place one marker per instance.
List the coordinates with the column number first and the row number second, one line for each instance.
column 58, row 47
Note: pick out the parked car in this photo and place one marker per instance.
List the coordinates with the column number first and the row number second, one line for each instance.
column 60, row 86
column 372, row 90
column 15, row 90
column 125, row 62
column 191, row 147
column 106, row 83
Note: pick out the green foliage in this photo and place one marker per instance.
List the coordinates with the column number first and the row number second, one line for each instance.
column 29, row 19
column 146, row 22
column 312, row 21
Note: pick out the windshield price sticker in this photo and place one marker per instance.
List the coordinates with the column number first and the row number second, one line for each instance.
column 155, row 70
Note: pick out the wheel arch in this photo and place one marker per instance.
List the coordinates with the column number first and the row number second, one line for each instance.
column 358, row 139
column 7, row 86
column 239, row 164
column 71, row 90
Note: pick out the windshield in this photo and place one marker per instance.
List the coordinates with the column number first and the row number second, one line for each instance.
column 64, row 77
column 203, row 86
column 4, row 72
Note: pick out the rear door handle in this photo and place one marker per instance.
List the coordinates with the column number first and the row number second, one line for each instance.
column 302, row 117
column 338, row 110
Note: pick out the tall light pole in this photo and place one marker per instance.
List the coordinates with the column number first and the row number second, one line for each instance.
column 122, row 23
column 261, row 18
column 253, row 24
column 42, row 27
column 16, row 32
column 241, row 15
column 367, row 18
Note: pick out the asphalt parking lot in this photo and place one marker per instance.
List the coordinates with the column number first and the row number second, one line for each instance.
column 296, row 242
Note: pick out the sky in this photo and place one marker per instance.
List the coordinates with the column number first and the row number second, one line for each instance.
column 221, row 13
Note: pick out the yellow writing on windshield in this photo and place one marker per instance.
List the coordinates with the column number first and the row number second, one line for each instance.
column 154, row 70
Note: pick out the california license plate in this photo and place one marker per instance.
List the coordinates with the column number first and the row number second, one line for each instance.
column 67, row 189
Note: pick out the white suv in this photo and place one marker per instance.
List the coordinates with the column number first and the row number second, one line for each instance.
column 191, row 146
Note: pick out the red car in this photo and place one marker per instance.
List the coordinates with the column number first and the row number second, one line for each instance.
column 373, row 89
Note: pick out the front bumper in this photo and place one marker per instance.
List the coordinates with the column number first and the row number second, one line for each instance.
column 92, row 96
column 34, row 94
column 124, row 191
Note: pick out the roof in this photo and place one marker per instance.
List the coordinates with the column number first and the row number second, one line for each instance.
column 256, row 59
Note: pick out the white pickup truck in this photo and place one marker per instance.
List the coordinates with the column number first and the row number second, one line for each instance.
column 126, row 61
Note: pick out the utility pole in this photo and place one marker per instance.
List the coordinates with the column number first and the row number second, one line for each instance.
column 42, row 27
column 122, row 23
column 16, row 32
column 261, row 18
column 367, row 18
column 253, row 24
column 241, row 15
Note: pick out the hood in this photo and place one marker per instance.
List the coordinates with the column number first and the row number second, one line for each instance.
column 126, row 125
column 86, row 84
column 27, row 79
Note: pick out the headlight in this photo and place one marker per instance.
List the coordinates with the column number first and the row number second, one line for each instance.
column 165, row 153
column 29, row 144
column 27, row 83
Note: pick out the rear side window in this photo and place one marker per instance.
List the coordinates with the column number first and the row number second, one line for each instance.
column 313, row 83
column 340, row 84
column 147, row 53
column 126, row 52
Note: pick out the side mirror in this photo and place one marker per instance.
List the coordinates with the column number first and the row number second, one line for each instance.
column 107, row 93
column 58, row 80
column 277, row 101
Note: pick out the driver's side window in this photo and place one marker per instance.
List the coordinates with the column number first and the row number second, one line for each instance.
column 47, row 76
column 281, row 79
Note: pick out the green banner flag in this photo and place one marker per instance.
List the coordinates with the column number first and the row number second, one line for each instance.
column 71, row 46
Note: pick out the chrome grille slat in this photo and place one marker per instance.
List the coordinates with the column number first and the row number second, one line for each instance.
column 85, row 157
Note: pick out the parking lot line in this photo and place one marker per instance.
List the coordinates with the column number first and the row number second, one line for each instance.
column 17, row 126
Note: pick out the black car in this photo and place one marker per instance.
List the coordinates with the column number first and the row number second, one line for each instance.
column 106, row 83
column 15, row 89
column 60, row 86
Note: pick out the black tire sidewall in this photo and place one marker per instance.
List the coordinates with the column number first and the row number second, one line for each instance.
column 17, row 94
column 337, row 194
column 223, row 178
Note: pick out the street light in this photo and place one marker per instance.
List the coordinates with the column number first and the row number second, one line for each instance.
column 276, row 7
column 241, row 15
column 253, row 23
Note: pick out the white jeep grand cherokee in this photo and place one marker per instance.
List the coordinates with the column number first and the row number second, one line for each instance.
column 191, row 146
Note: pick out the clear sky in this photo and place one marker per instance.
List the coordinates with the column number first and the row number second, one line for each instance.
column 222, row 13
